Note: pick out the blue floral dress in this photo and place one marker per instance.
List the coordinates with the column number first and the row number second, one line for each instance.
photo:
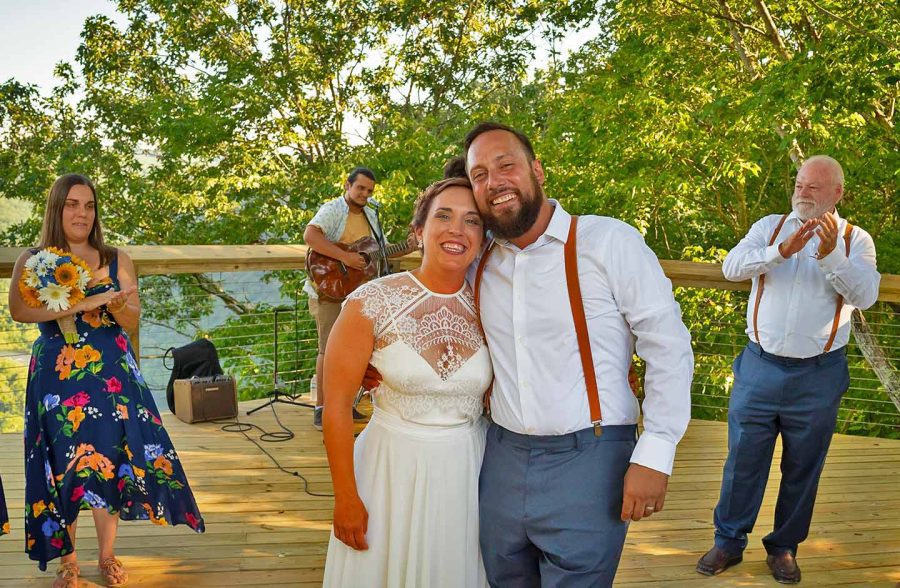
column 4, row 517
column 93, row 436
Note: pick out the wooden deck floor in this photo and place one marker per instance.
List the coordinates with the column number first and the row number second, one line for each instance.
column 263, row 530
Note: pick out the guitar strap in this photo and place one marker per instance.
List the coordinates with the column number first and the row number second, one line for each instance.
column 384, row 267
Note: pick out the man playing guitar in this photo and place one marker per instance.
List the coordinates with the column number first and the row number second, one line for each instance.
column 343, row 220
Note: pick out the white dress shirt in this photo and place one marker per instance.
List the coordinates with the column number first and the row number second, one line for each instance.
column 799, row 299
column 539, row 386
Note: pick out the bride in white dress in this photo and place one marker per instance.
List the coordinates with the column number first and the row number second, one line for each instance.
column 406, row 495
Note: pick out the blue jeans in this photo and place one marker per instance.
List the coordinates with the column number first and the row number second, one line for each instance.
column 772, row 395
column 550, row 507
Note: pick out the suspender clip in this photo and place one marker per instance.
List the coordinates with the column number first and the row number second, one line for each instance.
column 598, row 428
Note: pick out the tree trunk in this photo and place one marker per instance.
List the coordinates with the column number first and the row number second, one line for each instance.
column 874, row 354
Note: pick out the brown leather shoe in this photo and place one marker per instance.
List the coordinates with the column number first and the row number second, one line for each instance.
column 784, row 568
column 717, row 561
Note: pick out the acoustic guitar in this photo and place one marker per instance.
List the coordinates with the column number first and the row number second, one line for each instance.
column 335, row 281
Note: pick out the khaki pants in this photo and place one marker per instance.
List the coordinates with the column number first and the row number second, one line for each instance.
column 325, row 312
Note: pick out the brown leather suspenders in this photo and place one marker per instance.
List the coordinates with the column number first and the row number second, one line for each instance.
column 840, row 299
column 584, row 344
column 762, row 283
column 577, row 304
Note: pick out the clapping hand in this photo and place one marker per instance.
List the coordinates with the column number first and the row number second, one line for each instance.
column 114, row 298
column 798, row 240
column 828, row 234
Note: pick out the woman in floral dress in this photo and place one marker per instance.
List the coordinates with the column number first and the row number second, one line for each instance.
column 93, row 436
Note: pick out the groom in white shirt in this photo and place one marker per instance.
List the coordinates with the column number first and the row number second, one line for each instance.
column 810, row 268
column 555, row 494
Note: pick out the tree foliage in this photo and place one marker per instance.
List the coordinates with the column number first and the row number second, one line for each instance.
column 208, row 121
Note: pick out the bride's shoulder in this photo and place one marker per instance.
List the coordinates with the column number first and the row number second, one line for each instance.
column 385, row 295
column 391, row 283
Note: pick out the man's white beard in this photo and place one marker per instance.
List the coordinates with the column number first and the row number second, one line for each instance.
column 806, row 209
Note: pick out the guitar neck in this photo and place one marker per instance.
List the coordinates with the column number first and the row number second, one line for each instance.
column 393, row 249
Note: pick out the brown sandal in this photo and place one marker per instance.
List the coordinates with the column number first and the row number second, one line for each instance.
column 67, row 576
column 113, row 572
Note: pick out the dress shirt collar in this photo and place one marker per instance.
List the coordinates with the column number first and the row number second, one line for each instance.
column 557, row 229
column 793, row 217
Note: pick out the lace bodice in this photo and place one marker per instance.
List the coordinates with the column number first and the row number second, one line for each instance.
column 429, row 349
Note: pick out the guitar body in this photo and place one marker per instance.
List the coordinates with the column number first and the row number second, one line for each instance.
column 334, row 281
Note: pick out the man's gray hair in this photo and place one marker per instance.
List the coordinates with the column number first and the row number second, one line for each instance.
column 837, row 172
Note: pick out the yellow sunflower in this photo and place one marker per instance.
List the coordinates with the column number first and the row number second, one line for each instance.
column 29, row 295
column 66, row 274
column 81, row 263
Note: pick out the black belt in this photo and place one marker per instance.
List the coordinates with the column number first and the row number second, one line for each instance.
column 816, row 359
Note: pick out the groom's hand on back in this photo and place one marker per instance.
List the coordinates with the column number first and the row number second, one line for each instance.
column 371, row 379
column 645, row 492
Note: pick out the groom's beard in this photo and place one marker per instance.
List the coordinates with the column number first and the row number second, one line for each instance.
column 516, row 223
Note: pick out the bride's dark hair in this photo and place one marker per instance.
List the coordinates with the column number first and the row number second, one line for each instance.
column 423, row 202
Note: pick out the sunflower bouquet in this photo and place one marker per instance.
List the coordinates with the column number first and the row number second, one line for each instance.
column 57, row 280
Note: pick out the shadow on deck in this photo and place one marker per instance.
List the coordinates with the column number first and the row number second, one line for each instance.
column 262, row 529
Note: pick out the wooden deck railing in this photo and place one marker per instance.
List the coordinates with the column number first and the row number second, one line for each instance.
column 185, row 259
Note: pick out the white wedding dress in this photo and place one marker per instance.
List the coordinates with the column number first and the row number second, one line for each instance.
column 417, row 461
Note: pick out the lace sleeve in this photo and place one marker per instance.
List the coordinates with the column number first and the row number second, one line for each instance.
column 370, row 299
column 384, row 299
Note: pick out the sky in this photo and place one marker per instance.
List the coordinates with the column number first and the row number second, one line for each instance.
column 38, row 34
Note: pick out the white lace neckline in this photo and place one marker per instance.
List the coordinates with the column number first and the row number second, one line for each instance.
column 432, row 292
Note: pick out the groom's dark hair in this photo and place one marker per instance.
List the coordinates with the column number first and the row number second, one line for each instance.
column 486, row 126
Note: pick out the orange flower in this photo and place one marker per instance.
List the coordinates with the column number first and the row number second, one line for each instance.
column 161, row 463
column 92, row 354
column 98, row 463
column 86, row 355
column 153, row 518
column 64, row 372
column 66, row 274
column 30, row 541
column 92, row 317
column 81, row 450
column 75, row 296
column 76, row 415
column 123, row 410
column 80, row 358
column 82, row 264
column 66, row 356
column 138, row 472
column 5, row 529
column 29, row 295
column 37, row 508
